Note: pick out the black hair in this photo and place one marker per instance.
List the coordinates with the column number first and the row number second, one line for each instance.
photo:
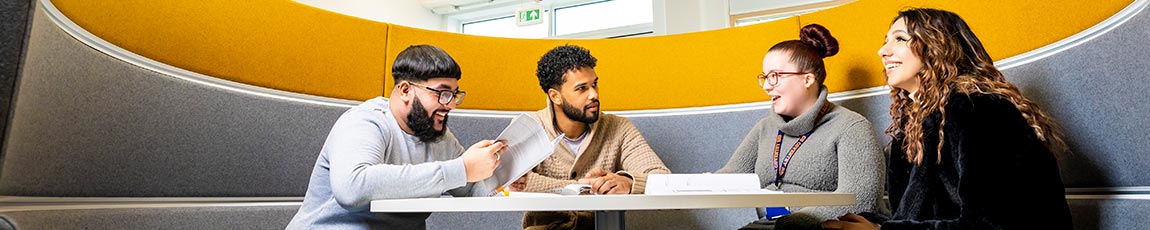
column 558, row 61
column 421, row 62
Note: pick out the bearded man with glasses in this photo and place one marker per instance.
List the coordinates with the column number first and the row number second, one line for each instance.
column 395, row 148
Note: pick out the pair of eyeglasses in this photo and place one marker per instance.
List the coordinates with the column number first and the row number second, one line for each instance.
column 445, row 96
column 772, row 78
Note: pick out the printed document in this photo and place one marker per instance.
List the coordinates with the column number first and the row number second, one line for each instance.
column 527, row 146
column 733, row 183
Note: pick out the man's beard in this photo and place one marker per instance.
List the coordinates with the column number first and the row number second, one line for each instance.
column 580, row 115
column 422, row 124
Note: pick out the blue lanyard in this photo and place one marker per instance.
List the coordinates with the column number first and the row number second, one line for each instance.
column 780, row 165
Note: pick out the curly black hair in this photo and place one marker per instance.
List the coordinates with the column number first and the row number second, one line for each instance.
column 422, row 62
column 558, row 61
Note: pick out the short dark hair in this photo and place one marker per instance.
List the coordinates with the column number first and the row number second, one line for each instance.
column 558, row 61
column 422, row 62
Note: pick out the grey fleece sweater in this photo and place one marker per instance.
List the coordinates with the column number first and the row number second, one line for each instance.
column 841, row 155
column 368, row 157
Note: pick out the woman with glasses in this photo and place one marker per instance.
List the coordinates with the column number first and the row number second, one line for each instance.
column 808, row 144
column 968, row 150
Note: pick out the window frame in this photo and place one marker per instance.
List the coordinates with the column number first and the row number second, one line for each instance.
column 456, row 22
column 773, row 14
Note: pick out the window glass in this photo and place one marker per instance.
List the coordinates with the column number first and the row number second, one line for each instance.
column 767, row 18
column 505, row 27
column 601, row 15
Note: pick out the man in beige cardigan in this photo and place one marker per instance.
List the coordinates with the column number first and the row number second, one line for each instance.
column 601, row 150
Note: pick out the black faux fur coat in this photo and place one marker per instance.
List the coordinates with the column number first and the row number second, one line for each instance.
column 994, row 173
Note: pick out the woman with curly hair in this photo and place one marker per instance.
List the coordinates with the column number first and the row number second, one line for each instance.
column 968, row 151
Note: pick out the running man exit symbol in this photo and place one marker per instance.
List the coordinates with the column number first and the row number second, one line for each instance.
column 529, row 16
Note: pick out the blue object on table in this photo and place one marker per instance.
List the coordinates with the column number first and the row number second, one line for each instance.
column 774, row 213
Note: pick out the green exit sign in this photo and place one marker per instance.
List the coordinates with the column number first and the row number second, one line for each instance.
column 529, row 15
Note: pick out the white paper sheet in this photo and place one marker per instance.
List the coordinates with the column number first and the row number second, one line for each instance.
column 527, row 145
column 735, row 183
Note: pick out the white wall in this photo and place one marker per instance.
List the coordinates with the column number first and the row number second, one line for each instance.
column 685, row 16
column 400, row 12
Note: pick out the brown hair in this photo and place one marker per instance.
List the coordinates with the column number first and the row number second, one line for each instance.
column 815, row 43
column 954, row 59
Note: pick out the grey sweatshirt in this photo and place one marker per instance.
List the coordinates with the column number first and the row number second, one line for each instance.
column 841, row 155
column 368, row 157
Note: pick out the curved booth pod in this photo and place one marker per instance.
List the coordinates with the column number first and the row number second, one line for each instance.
column 155, row 135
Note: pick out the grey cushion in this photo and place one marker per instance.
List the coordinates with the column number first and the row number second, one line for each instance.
column 233, row 217
column 1109, row 213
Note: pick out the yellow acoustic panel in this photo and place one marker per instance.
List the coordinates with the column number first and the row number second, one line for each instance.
column 270, row 43
column 289, row 46
column 1006, row 29
column 684, row 70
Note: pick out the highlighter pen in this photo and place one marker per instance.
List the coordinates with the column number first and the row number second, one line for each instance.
column 500, row 190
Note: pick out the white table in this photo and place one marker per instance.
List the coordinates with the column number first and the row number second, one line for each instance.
column 609, row 208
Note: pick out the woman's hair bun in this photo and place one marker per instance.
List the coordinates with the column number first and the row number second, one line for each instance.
column 820, row 38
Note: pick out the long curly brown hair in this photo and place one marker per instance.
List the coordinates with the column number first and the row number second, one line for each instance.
column 953, row 59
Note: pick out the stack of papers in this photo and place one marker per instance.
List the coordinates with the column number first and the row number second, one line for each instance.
column 527, row 145
column 668, row 184
column 531, row 194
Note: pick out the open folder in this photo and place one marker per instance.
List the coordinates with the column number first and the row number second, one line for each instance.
column 527, row 146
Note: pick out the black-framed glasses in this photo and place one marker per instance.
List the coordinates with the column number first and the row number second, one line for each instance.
column 772, row 78
column 445, row 96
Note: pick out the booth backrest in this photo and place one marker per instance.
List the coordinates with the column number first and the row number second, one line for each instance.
column 86, row 124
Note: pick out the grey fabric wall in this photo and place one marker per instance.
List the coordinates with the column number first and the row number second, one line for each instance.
column 86, row 124
column 14, row 15
column 697, row 143
column 278, row 216
column 473, row 129
column 1109, row 213
column 105, row 128
column 234, row 217
column 1098, row 91
column 704, row 142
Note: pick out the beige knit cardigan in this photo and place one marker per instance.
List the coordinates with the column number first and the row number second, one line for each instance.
column 614, row 144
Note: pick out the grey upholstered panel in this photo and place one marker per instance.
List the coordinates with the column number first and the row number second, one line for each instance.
column 1098, row 91
column 696, row 143
column 1109, row 213
column 690, row 219
column 277, row 217
column 222, row 217
column 475, row 220
column 876, row 109
column 704, row 142
column 14, row 15
column 5, row 224
column 86, row 124
column 472, row 129
column 654, row 219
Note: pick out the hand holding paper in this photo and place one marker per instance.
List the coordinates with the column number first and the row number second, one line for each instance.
column 527, row 145
column 481, row 159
